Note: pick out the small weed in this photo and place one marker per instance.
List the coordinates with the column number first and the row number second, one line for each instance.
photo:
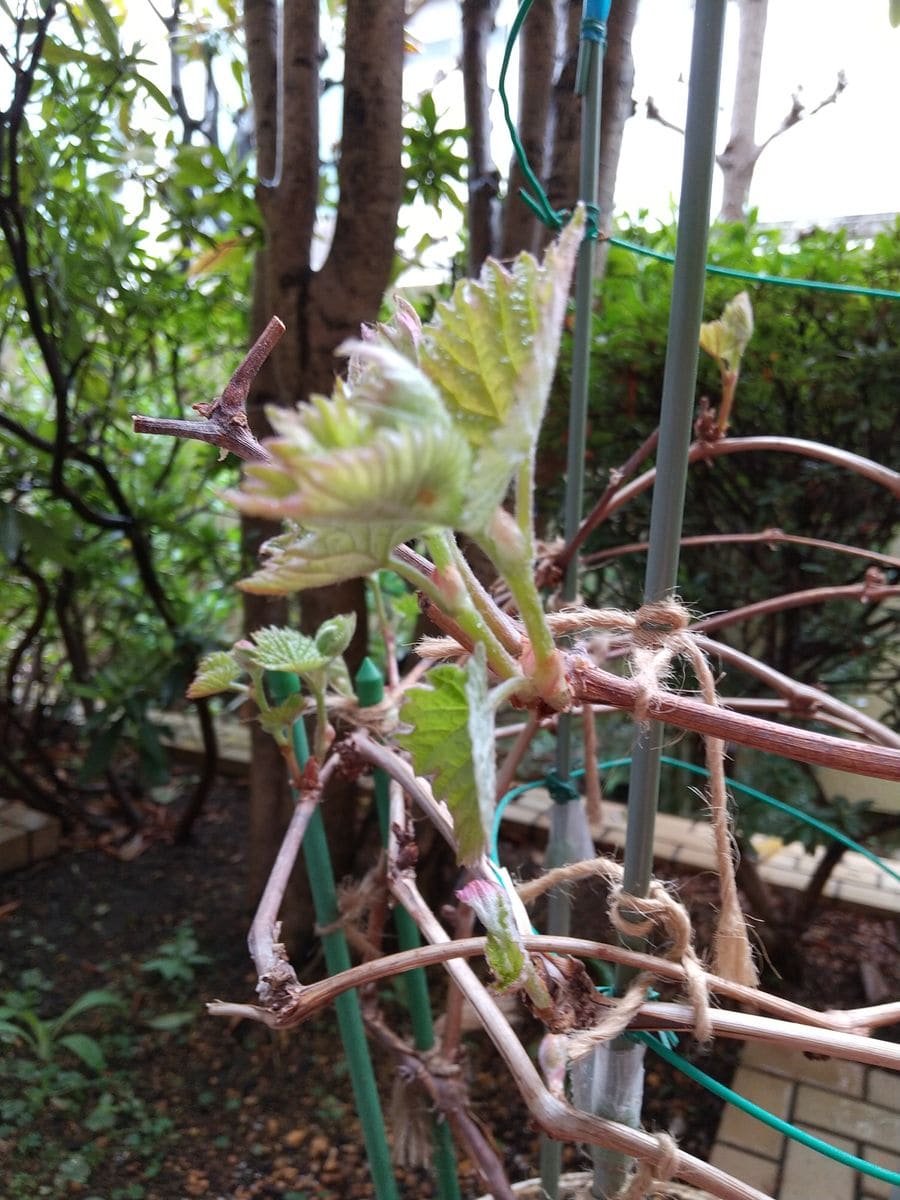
column 177, row 960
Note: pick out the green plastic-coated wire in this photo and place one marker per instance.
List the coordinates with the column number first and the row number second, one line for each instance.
column 554, row 219
column 734, row 784
column 369, row 685
column 658, row 1045
column 818, row 285
column 540, row 206
column 283, row 684
column 761, row 1114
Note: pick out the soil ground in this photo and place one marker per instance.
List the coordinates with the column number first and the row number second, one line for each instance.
column 212, row 1109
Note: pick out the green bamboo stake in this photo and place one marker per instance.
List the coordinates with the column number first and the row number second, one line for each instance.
column 337, row 956
column 570, row 835
column 369, row 685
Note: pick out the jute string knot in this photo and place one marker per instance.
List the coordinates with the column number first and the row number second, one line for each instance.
column 649, row 1176
column 655, row 623
column 660, row 632
column 661, row 909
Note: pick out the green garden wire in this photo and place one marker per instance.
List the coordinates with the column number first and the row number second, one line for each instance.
column 745, row 788
column 554, row 219
column 848, row 289
column 660, row 1045
column 761, row 1114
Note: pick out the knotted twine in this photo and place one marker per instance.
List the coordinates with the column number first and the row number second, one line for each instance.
column 658, row 908
column 648, row 1177
column 660, row 633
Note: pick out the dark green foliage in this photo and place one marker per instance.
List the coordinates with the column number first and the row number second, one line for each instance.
column 820, row 366
column 116, row 552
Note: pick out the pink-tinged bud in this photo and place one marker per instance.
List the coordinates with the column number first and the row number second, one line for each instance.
column 552, row 1057
column 484, row 898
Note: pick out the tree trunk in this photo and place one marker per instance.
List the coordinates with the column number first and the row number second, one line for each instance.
column 477, row 26
column 321, row 309
column 565, row 116
column 538, row 45
column 739, row 157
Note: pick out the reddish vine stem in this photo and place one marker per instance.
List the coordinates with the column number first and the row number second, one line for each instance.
column 764, row 536
column 864, row 592
column 601, row 509
column 591, row 684
column 702, row 451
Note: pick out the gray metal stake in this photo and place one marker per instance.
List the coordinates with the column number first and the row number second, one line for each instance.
column 624, row 1059
column 568, row 825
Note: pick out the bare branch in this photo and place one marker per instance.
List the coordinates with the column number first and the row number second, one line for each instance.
column 864, row 592
column 653, row 114
column 591, row 684
column 700, row 451
column 798, row 111
column 225, row 419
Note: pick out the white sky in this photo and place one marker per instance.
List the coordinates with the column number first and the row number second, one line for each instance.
column 844, row 161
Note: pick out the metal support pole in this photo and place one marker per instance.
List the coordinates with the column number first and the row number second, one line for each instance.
column 623, row 1060
column 570, row 836
column 677, row 408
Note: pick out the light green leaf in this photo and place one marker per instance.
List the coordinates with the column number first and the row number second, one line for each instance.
column 279, row 719
column 504, row 951
column 452, row 726
column 155, row 94
column 298, row 559
column 106, row 26
column 216, row 673
column 171, row 1022
column 726, row 339
column 390, row 388
column 95, row 998
column 417, row 475
column 334, row 636
column 286, row 650
column 492, row 349
column 86, row 1048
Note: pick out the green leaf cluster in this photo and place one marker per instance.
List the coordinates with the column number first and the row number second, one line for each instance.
column 114, row 210
column 427, row 433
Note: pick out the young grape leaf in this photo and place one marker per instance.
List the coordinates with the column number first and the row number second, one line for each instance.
column 417, row 474
column 302, row 559
column 452, row 740
column 286, row 650
column 492, row 349
column 278, row 720
column 504, row 952
column 216, row 673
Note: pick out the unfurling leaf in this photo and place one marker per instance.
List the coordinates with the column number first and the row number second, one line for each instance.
column 216, row 673
column 452, row 740
column 278, row 720
column 302, row 559
column 492, row 351
column 286, row 650
column 417, row 476
column 726, row 339
column 334, row 636
column 505, row 951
